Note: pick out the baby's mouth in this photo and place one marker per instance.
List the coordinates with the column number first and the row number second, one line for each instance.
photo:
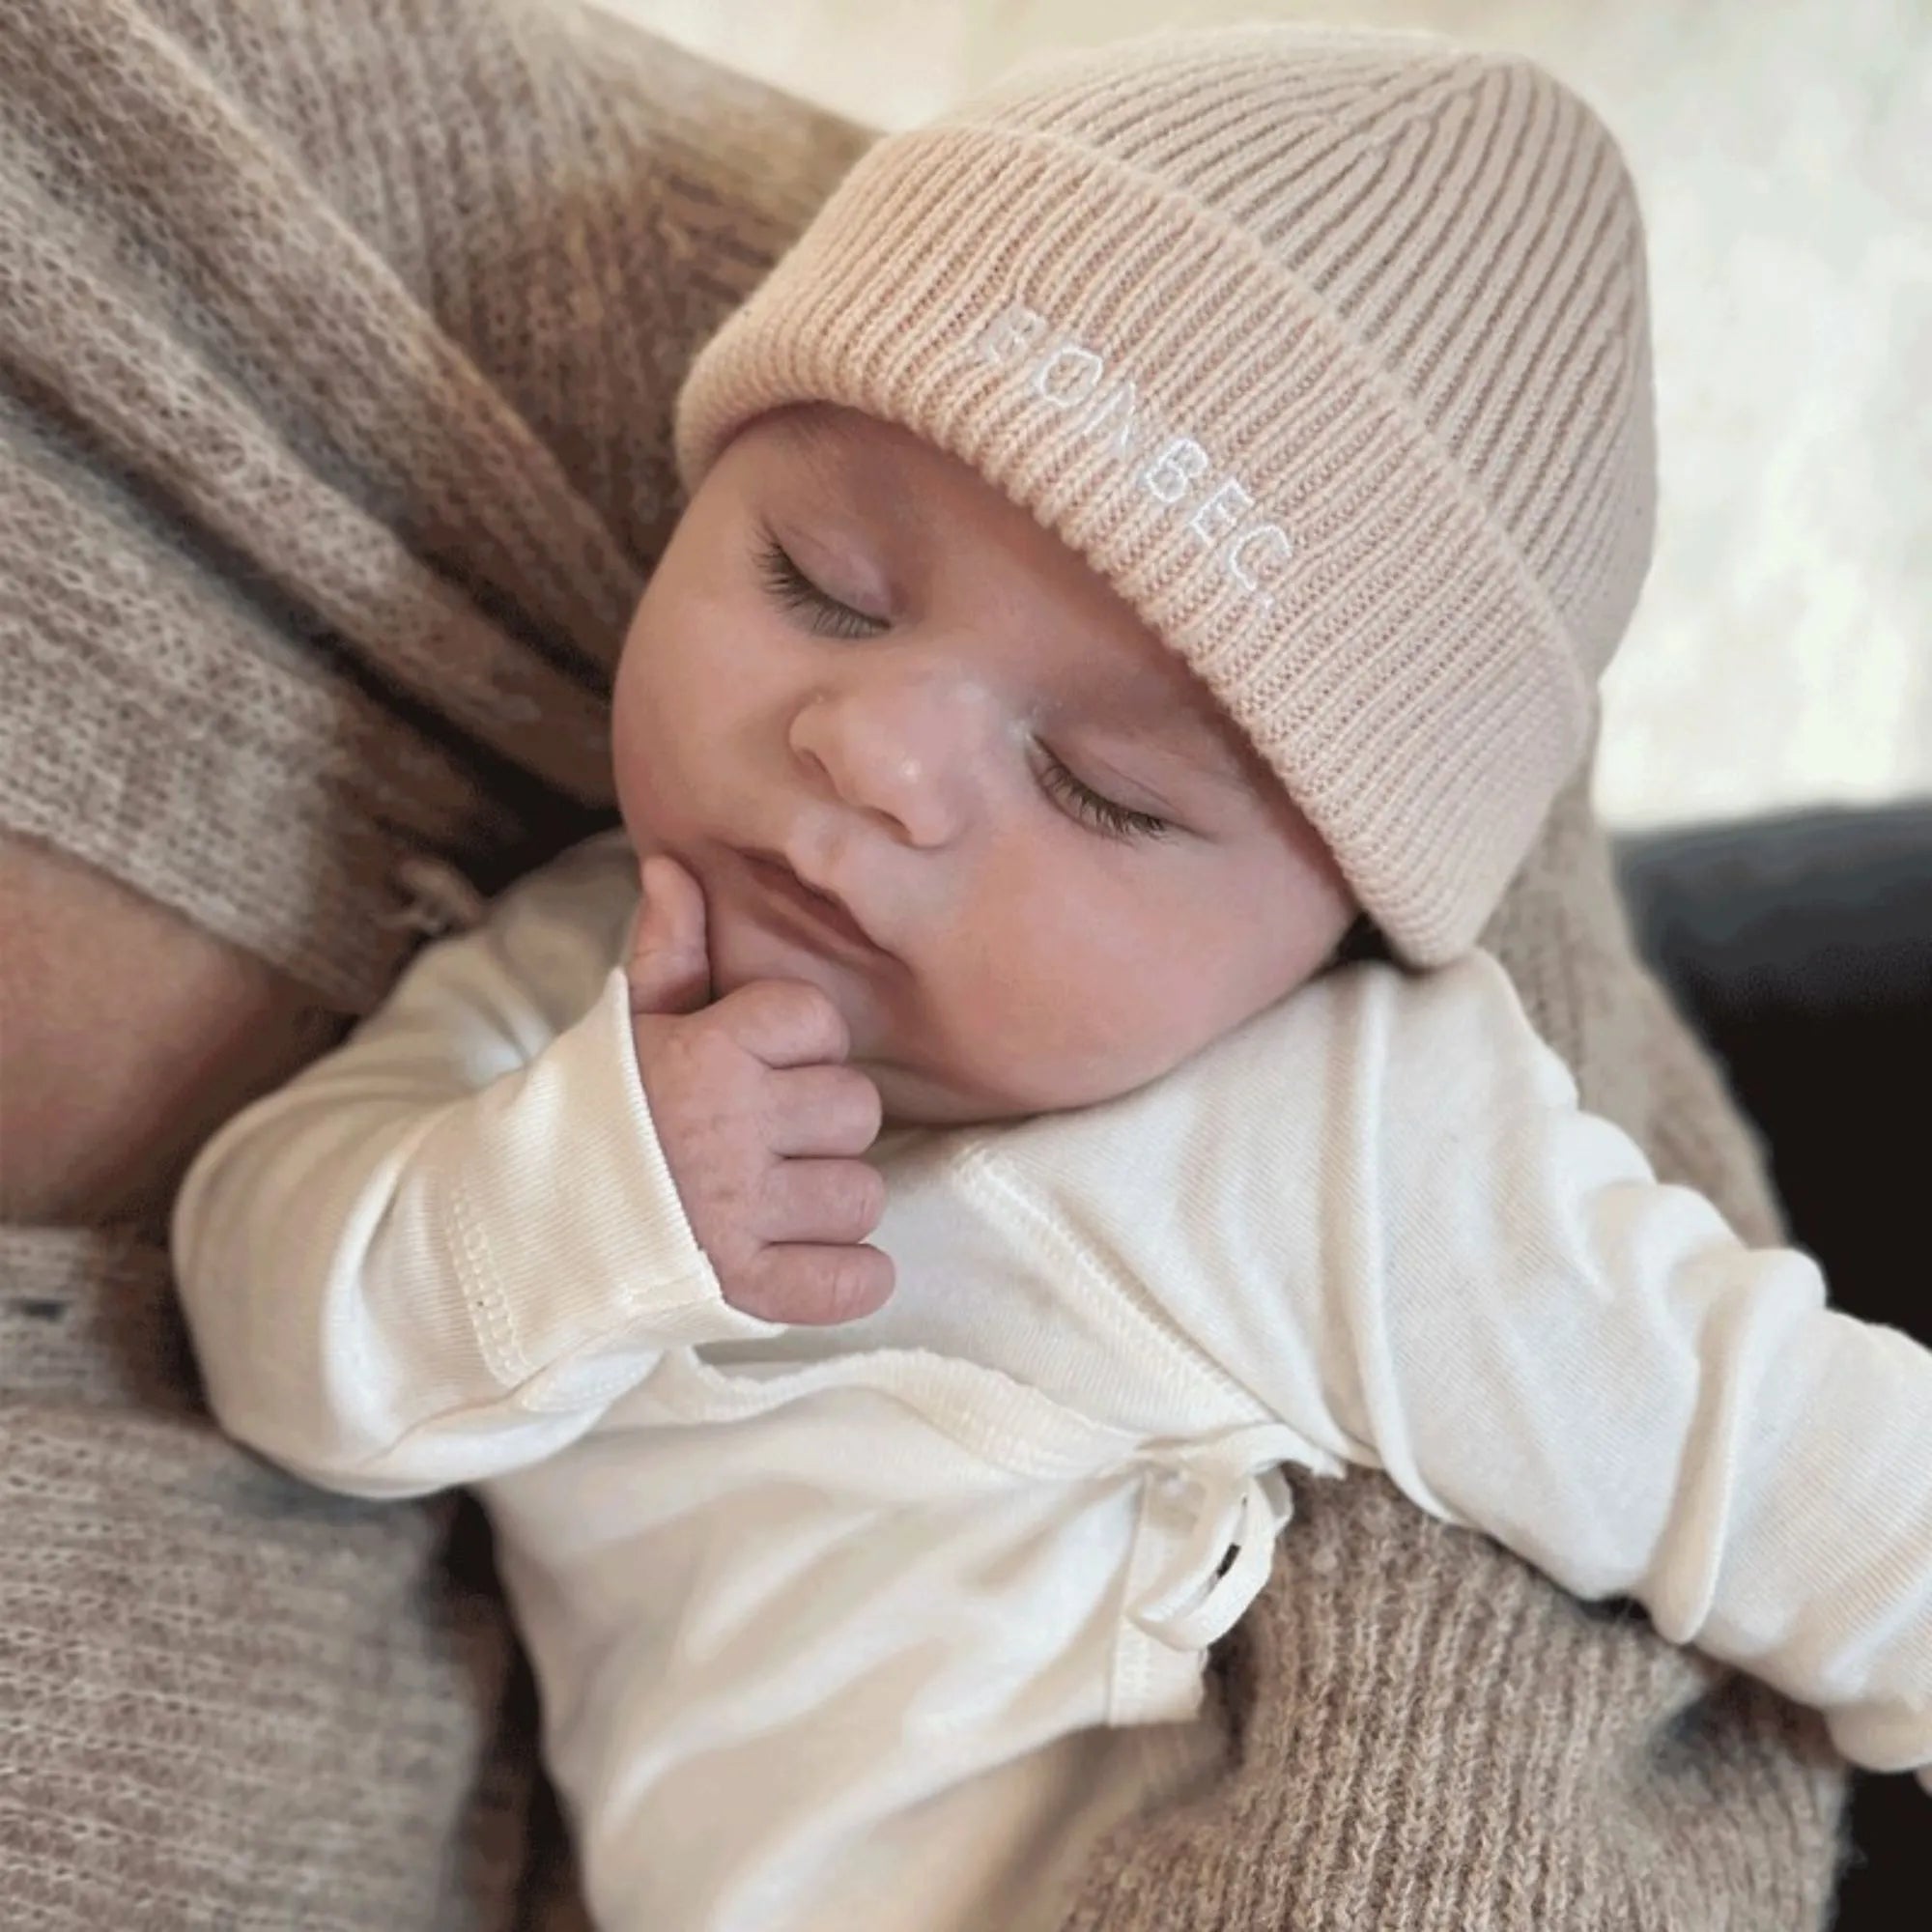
column 824, row 912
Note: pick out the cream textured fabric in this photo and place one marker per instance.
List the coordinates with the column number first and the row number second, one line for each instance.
column 1329, row 350
column 365, row 254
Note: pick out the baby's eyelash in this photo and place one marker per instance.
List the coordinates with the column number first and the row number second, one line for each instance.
column 791, row 589
column 1081, row 802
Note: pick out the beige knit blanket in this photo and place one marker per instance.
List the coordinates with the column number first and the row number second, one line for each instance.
column 337, row 344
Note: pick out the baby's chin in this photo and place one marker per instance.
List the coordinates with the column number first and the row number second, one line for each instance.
column 913, row 1095
column 912, row 1099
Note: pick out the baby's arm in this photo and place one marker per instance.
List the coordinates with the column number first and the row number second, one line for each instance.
column 1381, row 1207
column 443, row 1250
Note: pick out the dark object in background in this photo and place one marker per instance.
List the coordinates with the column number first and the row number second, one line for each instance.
column 1801, row 950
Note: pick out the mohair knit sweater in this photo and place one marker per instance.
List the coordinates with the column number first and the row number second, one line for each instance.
column 337, row 349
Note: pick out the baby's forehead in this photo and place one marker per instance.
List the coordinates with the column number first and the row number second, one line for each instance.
column 846, row 446
column 922, row 501
column 864, row 466
column 921, row 497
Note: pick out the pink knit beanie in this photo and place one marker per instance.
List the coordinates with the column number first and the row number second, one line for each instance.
column 1328, row 351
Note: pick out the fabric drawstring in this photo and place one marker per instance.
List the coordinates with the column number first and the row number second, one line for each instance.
column 1246, row 1504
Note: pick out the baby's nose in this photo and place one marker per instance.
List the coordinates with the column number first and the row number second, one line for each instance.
column 904, row 741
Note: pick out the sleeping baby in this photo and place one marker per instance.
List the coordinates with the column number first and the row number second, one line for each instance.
column 878, row 1228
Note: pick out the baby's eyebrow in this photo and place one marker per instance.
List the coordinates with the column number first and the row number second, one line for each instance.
column 873, row 487
column 815, row 438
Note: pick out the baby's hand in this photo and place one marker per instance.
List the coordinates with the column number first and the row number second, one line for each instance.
column 761, row 1126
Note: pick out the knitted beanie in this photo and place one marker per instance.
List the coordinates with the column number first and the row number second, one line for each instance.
column 1328, row 351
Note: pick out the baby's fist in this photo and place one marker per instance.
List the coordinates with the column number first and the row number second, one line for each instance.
column 760, row 1124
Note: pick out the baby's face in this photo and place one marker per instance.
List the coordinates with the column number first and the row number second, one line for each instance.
column 1064, row 868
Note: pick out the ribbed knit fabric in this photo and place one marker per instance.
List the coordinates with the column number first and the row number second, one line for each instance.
column 337, row 350
column 421, row 296
column 1328, row 351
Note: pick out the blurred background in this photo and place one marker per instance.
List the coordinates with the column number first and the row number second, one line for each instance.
column 1783, row 654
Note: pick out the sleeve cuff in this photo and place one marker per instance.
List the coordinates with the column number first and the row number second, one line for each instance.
column 564, row 1219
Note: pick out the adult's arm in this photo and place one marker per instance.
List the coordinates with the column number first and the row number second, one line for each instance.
column 333, row 449
column 128, row 1034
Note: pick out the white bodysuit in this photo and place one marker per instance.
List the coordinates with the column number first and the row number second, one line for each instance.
column 880, row 1624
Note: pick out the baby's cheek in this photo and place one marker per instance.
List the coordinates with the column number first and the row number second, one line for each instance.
column 1080, row 1028
column 1049, row 990
column 1144, row 1010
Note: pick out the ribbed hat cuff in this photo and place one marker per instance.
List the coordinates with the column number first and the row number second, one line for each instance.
column 1142, row 378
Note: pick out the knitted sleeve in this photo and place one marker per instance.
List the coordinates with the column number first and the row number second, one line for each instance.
column 337, row 350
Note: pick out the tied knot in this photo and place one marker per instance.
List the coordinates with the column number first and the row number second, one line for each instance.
column 1244, row 1503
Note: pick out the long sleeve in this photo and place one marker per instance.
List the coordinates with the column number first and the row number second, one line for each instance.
column 441, row 1251
column 1381, row 1209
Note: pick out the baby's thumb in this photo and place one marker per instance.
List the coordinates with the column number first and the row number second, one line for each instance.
column 669, row 968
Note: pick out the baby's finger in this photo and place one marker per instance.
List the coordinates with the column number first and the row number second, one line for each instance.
column 814, row 1286
column 822, row 1109
column 785, row 1023
column 816, row 1201
column 669, row 969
